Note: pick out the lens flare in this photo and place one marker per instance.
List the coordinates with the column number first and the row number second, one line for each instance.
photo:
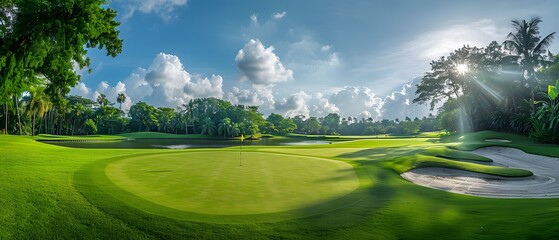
column 462, row 69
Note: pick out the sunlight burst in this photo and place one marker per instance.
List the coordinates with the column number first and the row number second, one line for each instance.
column 462, row 68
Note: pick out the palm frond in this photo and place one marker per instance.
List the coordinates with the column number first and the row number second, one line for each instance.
column 542, row 46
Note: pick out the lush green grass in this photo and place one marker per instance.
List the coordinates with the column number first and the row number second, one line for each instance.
column 51, row 137
column 51, row 192
column 214, row 182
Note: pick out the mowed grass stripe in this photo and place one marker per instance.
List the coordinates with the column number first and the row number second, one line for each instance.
column 213, row 182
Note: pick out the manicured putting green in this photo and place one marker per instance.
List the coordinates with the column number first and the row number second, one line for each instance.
column 212, row 182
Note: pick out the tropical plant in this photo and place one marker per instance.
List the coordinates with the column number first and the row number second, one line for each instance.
column 102, row 100
column 120, row 99
column 225, row 127
column 38, row 105
column 208, row 127
column 530, row 50
column 545, row 121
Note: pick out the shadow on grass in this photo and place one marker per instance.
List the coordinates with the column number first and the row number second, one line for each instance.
column 380, row 153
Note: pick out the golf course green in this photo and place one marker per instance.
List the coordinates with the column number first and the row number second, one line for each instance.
column 215, row 182
column 343, row 190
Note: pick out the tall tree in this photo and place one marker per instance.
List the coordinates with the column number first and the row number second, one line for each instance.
column 164, row 118
column 312, row 125
column 144, row 116
column 225, row 127
column 446, row 81
column 120, row 99
column 49, row 38
column 208, row 127
column 531, row 50
column 102, row 100
column 38, row 105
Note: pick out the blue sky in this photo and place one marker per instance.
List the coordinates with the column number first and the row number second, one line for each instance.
column 356, row 58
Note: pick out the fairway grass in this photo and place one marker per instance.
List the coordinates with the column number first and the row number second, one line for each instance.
column 52, row 192
column 213, row 182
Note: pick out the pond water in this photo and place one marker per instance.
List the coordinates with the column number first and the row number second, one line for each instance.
column 185, row 143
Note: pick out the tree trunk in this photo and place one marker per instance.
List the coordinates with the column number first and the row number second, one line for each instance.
column 33, row 125
column 18, row 115
column 6, row 117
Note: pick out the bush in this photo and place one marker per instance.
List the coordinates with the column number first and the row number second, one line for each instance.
column 545, row 121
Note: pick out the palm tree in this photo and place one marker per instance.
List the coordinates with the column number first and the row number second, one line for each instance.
column 530, row 49
column 38, row 105
column 120, row 100
column 235, row 130
column 208, row 127
column 225, row 127
column 78, row 110
column 189, row 114
column 102, row 100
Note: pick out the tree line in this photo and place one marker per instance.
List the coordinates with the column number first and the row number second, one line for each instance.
column 35, row 113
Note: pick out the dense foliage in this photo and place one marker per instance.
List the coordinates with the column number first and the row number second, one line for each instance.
column 208, row 116
column 498, row 87
column 42, row 41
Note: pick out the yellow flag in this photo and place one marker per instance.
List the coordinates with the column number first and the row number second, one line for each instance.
column 242, row 137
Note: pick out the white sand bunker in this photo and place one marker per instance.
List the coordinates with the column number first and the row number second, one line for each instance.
column 542, row 185
column 497, row 140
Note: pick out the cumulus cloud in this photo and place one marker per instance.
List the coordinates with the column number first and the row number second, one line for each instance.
column 244, row 97
column 165, row 83
column 302, row 103
column 278, row 15
column 358, row 102
column 163, row 8
column 103, row 87
column 296, row 104
column 171, row 85
column 400, row 104
column 260, row 65
column 80, row 89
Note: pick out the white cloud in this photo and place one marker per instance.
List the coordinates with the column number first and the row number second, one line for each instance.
column 260, row 65
column 80, row 89
column 278, row 15
column 165, row 83
column 400, row 104
column 254, row 19
column 173, row 86
column 244, row 97
column 163, row 8
column 357, row 102
column 112, row 93
column 294, row 105
column 301, row 103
